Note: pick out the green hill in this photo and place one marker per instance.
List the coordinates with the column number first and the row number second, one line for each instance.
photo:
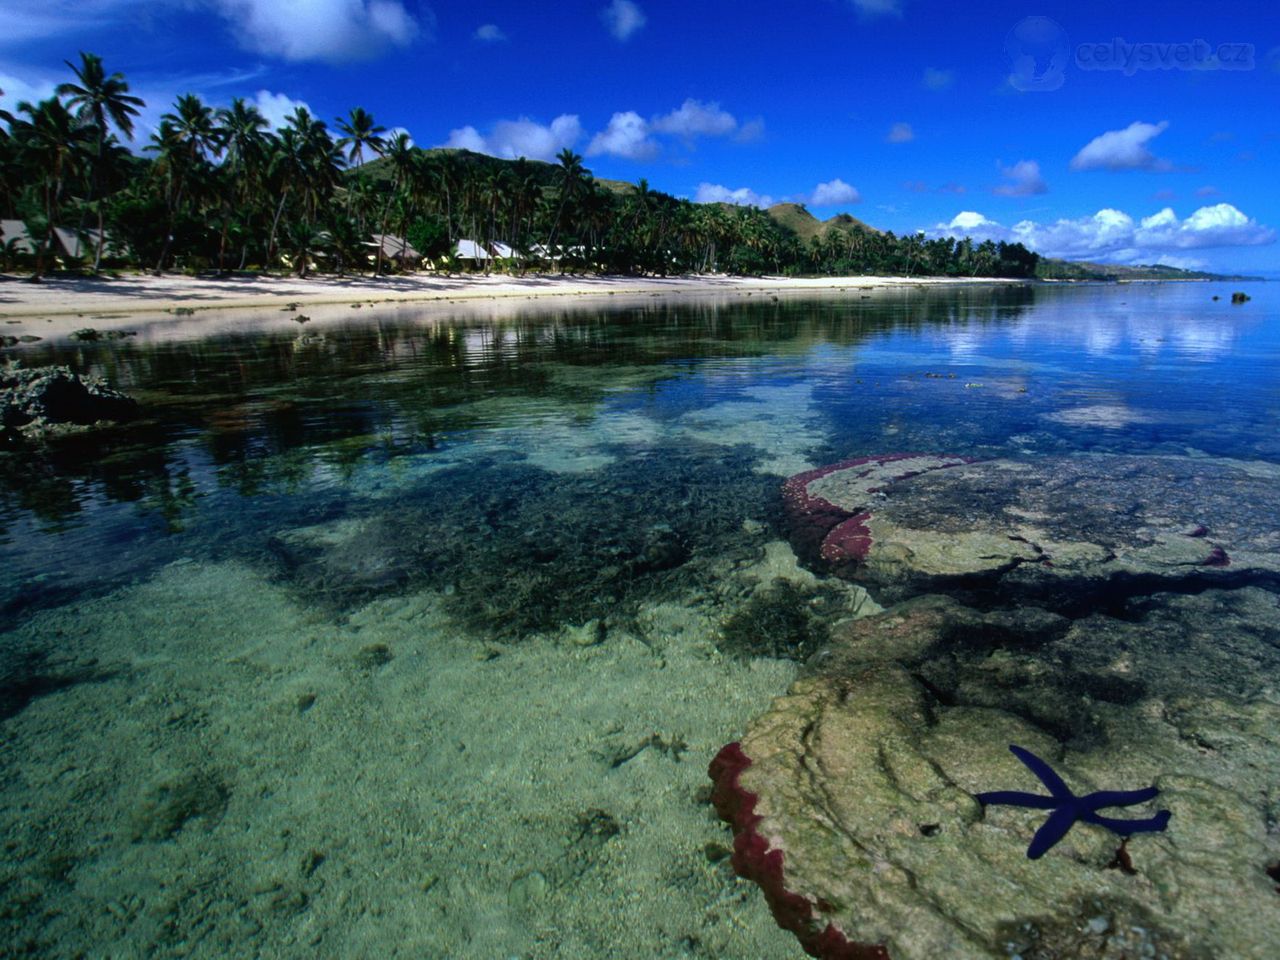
column 379, row 169
column 795, row 218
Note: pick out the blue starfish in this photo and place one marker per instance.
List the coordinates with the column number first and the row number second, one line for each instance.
column 1068, row 808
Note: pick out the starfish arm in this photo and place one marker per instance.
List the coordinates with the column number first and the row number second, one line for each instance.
column 1043, row 771
column 1126, row 827
column 1016, row 798
column 1052, row 830
column 1119, row 798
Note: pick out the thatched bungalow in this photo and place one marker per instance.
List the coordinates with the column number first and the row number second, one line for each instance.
column 396, row 249
column 471, row 250
column 83, row 244
column 15, row 232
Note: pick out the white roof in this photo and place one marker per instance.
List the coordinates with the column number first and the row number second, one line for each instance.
column 84, row 243
column 16, row 230
column 503, row 252
column 393, row 246
column 470, row 250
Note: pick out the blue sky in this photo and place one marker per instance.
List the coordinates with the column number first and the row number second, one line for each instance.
column 994, row 119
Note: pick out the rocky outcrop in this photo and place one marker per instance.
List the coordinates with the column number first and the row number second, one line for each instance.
column 852, row 797
column 39, row 399
column 1061, row 531
column 1117, row 616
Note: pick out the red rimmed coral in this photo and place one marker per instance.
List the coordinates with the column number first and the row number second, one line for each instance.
column 754, row 860
column 832, row 524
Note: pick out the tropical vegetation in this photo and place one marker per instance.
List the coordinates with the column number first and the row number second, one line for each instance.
column 218, row 189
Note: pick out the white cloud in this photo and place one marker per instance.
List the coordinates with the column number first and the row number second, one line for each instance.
column 627, row 135
column 13, row 91
column 520, row 138
column 833, row 192
column 276, row 107
column 623, row 18
column 695, row 118
column 1023, row 179
column 876, row 8
column 900, row 133
column 742, row 197
column 1123, row 149
column 1113, row 236
column 334, row 31
column 935, row 79
column 490, row 33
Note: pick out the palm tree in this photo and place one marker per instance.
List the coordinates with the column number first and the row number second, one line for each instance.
column 572, row 181
column 99, row 98
column 182, row 143
column 242, row 132
column 359, row 131
column 52, row 145
column 401, row 153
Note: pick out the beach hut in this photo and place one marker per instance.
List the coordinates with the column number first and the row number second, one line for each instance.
column 396, row 249
column 502, row 251
column 15, row 238
column 471, row 250
column 83, row 244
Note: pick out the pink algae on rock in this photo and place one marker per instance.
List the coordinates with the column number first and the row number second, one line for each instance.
column 754, row 860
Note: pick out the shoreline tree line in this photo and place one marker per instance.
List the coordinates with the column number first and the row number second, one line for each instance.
column 216, row 189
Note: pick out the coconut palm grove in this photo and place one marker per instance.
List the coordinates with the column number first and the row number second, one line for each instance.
column 216, row 189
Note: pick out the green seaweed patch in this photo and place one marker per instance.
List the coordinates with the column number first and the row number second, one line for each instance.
column 516, row 550
column 781, row 621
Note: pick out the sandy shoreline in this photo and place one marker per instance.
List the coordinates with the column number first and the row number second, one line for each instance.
column 57, row 306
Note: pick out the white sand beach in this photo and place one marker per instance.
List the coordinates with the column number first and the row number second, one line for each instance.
column 56, row 306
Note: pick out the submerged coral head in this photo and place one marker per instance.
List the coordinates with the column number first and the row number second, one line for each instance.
column 1068, row 808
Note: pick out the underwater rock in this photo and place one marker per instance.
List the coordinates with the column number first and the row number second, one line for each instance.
column 852, row 797
column 37, row 400
column 1064, row 531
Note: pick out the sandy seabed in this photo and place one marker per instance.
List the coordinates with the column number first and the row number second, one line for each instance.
column 235, row 775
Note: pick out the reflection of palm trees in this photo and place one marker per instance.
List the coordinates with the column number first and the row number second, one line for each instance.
column 99, row 98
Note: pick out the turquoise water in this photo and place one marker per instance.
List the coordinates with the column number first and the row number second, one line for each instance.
column 400, row 637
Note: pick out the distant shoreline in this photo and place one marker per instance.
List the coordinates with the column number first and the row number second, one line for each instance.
column 57, row 306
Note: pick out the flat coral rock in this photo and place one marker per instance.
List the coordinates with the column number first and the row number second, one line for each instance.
column 1057, row 529
column 852, row 796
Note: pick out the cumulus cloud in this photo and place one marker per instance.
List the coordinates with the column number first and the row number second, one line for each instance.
column 490, row 33
column 935, row 79
column 334, row 31
column 1114, row 236
column 1125, row 149
column 623, row 18
column 694, row 118
column 878, row 8
column 742, row 197
column 277, row 107
column 900, row 133
column 13, row 91
column 520, row 138
column 627, row 135
column 1021, row 180
column 833, row 192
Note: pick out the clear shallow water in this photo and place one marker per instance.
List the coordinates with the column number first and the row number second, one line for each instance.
column 405, row 637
